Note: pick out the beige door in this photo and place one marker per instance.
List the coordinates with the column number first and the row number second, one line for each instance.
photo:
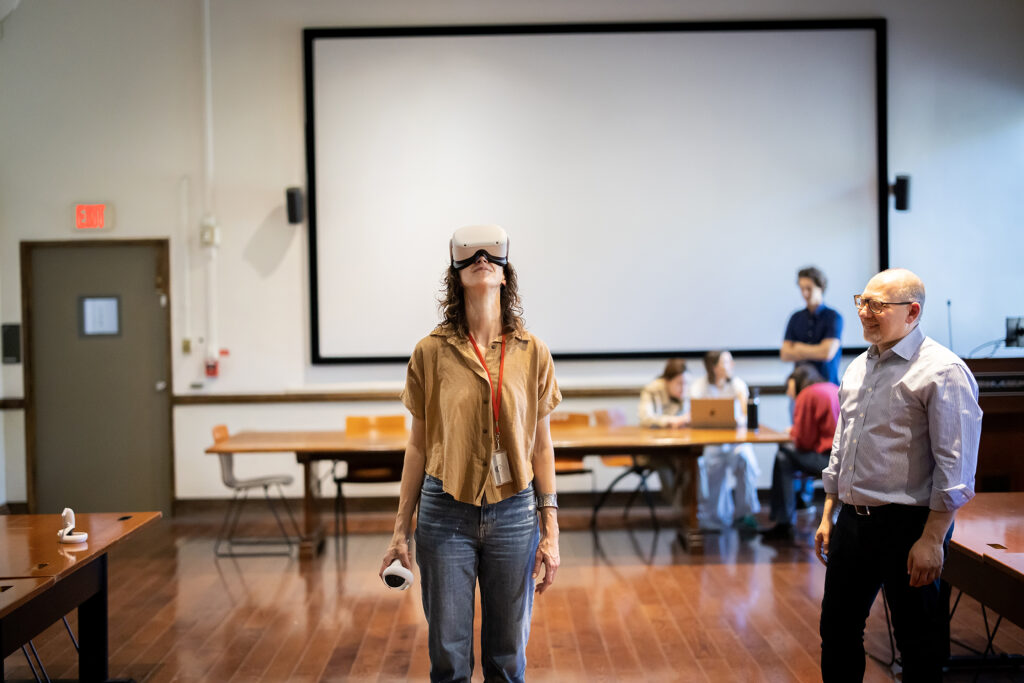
column 97, row 375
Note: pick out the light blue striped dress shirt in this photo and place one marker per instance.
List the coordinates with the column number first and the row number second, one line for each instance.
column 908, row 428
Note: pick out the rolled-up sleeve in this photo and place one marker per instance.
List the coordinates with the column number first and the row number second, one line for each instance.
column 412, row 395
column 548, row 394
column 954, row 426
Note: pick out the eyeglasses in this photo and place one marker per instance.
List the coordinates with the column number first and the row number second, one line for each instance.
column 876, row 306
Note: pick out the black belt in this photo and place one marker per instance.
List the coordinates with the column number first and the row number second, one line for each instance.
column 865, row 510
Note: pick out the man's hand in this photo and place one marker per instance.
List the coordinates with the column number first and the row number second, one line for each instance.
column 547, row 555
column 822, row 537
column 924, row 563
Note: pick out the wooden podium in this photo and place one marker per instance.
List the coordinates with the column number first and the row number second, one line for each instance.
column 1001, row 396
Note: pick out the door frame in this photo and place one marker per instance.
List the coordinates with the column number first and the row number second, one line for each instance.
column 163, row 281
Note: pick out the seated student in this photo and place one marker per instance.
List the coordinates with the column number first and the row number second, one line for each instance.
column 661, row 401
column 662, row 404
column 815, row 412
column 717, row 509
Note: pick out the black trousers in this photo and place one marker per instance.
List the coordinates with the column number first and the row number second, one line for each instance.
column 866, row 553
column 788, row 461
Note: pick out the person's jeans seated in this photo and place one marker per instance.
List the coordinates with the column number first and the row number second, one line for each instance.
column 788, row 462
column 458, row 544
column 717, row 508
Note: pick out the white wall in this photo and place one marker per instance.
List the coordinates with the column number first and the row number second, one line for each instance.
column 102, row 100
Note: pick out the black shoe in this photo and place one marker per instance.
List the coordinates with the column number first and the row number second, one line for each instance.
column 779, row 532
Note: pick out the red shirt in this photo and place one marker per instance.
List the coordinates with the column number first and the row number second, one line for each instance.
column 814, row 417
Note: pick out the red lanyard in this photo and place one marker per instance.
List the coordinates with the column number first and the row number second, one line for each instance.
column 495, row 396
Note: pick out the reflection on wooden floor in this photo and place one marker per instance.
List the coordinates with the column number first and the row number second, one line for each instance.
column 628, row 605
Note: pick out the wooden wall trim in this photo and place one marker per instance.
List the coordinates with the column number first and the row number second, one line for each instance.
column 393, row 395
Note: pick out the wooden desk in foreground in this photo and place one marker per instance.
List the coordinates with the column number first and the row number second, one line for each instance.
column 381, row 448
column 45, row 580
column 986, row 553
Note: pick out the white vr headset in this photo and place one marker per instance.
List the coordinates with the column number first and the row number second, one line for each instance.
column 472, row 241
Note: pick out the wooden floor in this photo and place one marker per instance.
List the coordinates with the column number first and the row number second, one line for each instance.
column 628, row 605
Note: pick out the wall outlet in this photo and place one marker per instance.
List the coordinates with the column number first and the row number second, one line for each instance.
column 1015, row 331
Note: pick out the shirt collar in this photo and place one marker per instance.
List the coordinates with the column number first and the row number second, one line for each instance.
column 905, row 348
column 817, row 311
column 455, row 338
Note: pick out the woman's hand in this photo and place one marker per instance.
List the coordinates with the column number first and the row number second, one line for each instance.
column 681, row 420
column 547, row 555
column 397, row 549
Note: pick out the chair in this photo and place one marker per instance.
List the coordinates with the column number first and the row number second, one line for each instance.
column 569, row 465
column 615, row 417
column 362, row 425
column 241, row 488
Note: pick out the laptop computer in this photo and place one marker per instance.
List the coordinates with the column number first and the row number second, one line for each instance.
column 713, row 413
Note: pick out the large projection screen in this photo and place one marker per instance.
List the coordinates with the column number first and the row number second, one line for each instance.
column 660, row 183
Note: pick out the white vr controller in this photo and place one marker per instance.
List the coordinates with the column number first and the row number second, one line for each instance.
column 396, row 576
column 68, row 533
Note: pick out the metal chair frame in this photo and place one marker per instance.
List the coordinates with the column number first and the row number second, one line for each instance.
column 241, row 487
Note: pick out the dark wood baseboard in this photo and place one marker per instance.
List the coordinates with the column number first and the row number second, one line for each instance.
column 569, row 499
column 573, row 499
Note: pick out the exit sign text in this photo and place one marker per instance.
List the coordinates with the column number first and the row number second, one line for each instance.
column 91, row 216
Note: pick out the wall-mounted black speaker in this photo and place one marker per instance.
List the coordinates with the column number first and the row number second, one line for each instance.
column 293, row 202
column 901, row 190
column 11, row 340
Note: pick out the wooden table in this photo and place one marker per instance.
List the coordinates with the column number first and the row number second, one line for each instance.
column 388, row 447
column 48, row 579
column 986, row 553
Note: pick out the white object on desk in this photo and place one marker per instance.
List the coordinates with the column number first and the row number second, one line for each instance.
column 68, row 533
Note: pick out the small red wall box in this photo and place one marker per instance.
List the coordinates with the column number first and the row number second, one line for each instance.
column 94, row 216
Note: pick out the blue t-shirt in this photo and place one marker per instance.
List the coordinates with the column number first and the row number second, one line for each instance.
column 811, row 328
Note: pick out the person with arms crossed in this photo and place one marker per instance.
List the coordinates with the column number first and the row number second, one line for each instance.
column 813, row 333
column 903, row 461
column 480, row 464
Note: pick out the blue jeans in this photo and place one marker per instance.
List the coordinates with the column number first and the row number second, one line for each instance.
column 458, row 544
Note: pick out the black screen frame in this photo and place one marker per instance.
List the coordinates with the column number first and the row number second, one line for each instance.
column 310, row 35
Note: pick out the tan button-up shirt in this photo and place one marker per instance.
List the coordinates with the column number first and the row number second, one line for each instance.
column 447, row 388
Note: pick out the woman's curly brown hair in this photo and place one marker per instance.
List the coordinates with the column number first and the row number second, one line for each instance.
column 452, row 303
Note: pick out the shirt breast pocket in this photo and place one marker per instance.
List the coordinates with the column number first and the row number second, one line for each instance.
column 905, row 406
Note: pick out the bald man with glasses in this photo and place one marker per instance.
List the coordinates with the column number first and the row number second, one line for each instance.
column 903, row 461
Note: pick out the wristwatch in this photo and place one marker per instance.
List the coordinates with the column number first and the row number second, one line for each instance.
column 547, row 500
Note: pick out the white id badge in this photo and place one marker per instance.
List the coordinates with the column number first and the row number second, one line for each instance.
column 500, row 472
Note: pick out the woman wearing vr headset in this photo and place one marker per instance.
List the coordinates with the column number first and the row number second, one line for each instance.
column 481, row 466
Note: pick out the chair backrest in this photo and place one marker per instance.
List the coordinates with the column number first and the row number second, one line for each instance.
column 612, row 417
column 566, row 419
column 364, row 424
column 227, row 461
column 220, row 432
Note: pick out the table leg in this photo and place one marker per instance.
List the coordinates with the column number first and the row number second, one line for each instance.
column 690, row 535
column 312, row 542
column 93, row 628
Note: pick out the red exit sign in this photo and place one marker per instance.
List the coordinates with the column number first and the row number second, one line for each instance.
column 92, row 216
